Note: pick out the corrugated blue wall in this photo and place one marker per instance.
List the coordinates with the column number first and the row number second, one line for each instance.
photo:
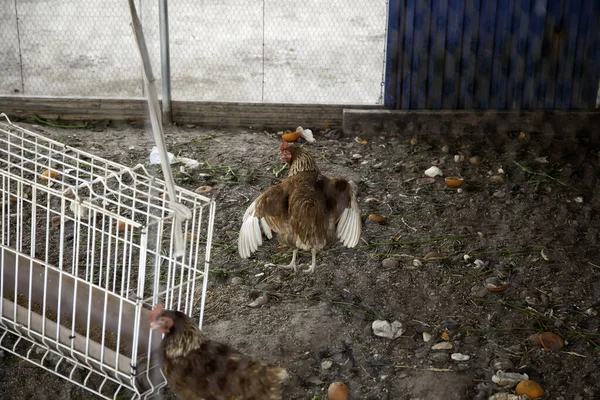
column 493, row 54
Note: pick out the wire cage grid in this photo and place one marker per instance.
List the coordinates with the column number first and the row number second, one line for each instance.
column 86, row 248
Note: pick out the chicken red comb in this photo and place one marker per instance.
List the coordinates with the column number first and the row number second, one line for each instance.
column 157, row 310
column 283, row 145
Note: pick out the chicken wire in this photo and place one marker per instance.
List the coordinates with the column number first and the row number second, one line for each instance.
column 305, row 51
column 85, row 253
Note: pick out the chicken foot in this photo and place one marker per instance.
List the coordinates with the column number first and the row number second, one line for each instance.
column 292, row 264
column 311, row 269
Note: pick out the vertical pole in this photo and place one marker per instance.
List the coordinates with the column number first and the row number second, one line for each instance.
column 392, row 54
column 165, row 62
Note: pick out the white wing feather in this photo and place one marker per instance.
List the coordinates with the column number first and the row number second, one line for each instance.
column 349, row 225
column 250, row 236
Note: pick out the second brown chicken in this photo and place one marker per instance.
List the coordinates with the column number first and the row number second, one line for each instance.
column 307, row 210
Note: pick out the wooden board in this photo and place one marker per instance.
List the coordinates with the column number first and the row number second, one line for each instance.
column 216, row 114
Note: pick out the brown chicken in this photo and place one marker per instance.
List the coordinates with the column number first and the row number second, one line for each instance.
column 198, row 368
column 307, row 210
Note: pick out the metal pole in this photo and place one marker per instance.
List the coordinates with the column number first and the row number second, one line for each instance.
column 165, row 62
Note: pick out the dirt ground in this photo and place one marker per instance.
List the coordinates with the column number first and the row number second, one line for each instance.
column 526, row 219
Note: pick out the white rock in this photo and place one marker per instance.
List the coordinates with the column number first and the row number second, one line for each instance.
column 442, row 346
column 507, row 396
column 459, row 158
column 466, row 257
column 326, row 364
column 578, row 199
column 131, row 147
column 259, row 301
column 356, row 156
column 459, row 357
column 426, row 337
column 479, row 263
column 432, row 172
column 385, row 329
column 508, row 378
column 417, row 263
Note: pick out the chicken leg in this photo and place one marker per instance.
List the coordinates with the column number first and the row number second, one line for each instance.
column 292, row 264
column 311, row 269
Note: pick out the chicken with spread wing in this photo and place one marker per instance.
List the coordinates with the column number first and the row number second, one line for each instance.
column 307, row 210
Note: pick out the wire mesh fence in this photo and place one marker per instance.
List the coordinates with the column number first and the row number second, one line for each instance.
column 221, row 50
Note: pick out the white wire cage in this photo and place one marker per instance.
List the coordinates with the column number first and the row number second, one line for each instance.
column 85, row 252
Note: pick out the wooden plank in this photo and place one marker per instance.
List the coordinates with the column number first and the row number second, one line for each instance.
column 439, row 13
column 468, row 54
column 534, row 62
column 393, row 54
column 453, row 49
column 407, row 54
column 485, row 50
column 519, row 49
column 230, row 114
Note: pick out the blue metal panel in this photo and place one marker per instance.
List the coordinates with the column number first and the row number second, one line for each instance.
column 519, row 54
column 567, row 56
column 533, row 65
column 584, row 20
column 500, row 54
column 392, row 54
column 469, row 54
column 420, row 54
column 502, row 57
column 591, row 58
column 485, row 50
column 438, row 52
column 553, row 40
column 456, row 10
column 407, row 50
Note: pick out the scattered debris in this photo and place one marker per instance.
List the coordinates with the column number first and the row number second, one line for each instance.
column 475, row 160
column 495, row 284
column 306, row 134
column 326, row 364
column 426, row 337
column 502, row 378
column 460, row 357
column 390, row 262
column 442, row 346
column 434, row 256
column 458, row 158
column 497, row 179
column 203, row 190
column 433, row 171
column 377, row 218
column 454, row 181
column 155, row 156
column 360, row 141
column 337, row 391
column 259, row 301
column 550, row 341
column 385, row 329
column 529, row 388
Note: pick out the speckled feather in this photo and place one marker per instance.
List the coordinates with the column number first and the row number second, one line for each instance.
column 198, row 368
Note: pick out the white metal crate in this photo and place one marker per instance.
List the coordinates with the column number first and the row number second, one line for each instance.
column 85, row 252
